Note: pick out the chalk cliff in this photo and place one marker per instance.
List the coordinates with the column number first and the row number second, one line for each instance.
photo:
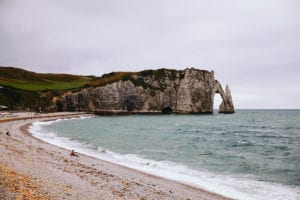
column 167, row 91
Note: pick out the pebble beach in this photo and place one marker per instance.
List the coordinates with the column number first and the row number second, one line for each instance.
column 33, row 169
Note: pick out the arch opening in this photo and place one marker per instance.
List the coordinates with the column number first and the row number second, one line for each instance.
column 217, row 101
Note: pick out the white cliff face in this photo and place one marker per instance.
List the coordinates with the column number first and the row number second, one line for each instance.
column 227, row 104
column 194, row 90
column 187, row 91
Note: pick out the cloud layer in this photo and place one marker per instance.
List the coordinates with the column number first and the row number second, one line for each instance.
column 252, row 45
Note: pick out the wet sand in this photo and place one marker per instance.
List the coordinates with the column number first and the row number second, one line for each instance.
column 33, row 169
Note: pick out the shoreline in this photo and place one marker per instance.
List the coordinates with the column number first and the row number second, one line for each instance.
column 60, row 175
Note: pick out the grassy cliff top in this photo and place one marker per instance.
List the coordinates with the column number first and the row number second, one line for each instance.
column 27, row 80
column 31, row 81
column 156, row 74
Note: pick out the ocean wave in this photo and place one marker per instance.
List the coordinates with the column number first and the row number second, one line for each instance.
column 233, row 186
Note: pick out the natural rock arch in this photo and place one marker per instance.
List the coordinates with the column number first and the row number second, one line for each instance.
column 227, row 105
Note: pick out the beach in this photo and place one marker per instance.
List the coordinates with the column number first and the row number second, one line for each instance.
column 33, row 169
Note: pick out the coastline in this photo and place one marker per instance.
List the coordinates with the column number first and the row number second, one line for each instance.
column 57, row 175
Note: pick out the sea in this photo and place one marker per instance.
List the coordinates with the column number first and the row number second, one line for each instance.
column 251, row 154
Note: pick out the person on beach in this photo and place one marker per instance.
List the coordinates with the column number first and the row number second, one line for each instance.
column 73, row 153
column 7, row 133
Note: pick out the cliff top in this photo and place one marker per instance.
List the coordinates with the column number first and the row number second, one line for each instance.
column 27, row 80
column 134, row 76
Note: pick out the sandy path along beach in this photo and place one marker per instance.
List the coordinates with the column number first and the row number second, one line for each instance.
column 38, row 170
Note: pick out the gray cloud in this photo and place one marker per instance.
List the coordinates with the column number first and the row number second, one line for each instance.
column 252, row 45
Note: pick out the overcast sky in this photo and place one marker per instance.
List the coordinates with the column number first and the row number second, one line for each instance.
column 252, row 45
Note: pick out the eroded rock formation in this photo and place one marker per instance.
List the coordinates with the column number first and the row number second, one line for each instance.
column 168, row 91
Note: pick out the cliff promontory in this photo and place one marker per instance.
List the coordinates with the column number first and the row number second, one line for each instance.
column 150, row 91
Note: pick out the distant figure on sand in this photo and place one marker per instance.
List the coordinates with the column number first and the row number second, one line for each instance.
column 73, row 153
column 7, row 133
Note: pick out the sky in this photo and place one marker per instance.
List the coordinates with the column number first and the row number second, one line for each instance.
column 253, row 46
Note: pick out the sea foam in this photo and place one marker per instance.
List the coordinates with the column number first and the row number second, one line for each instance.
column 230, row 186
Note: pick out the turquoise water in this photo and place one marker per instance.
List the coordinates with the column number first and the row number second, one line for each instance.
column 251, row 148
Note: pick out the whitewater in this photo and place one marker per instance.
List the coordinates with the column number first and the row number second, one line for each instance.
column 252, row 154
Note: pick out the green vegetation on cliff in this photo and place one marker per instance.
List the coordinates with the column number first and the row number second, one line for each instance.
column 26, row 80
column 17, row 98
column 21, row 89
column 138, row 80
column 108, row 79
